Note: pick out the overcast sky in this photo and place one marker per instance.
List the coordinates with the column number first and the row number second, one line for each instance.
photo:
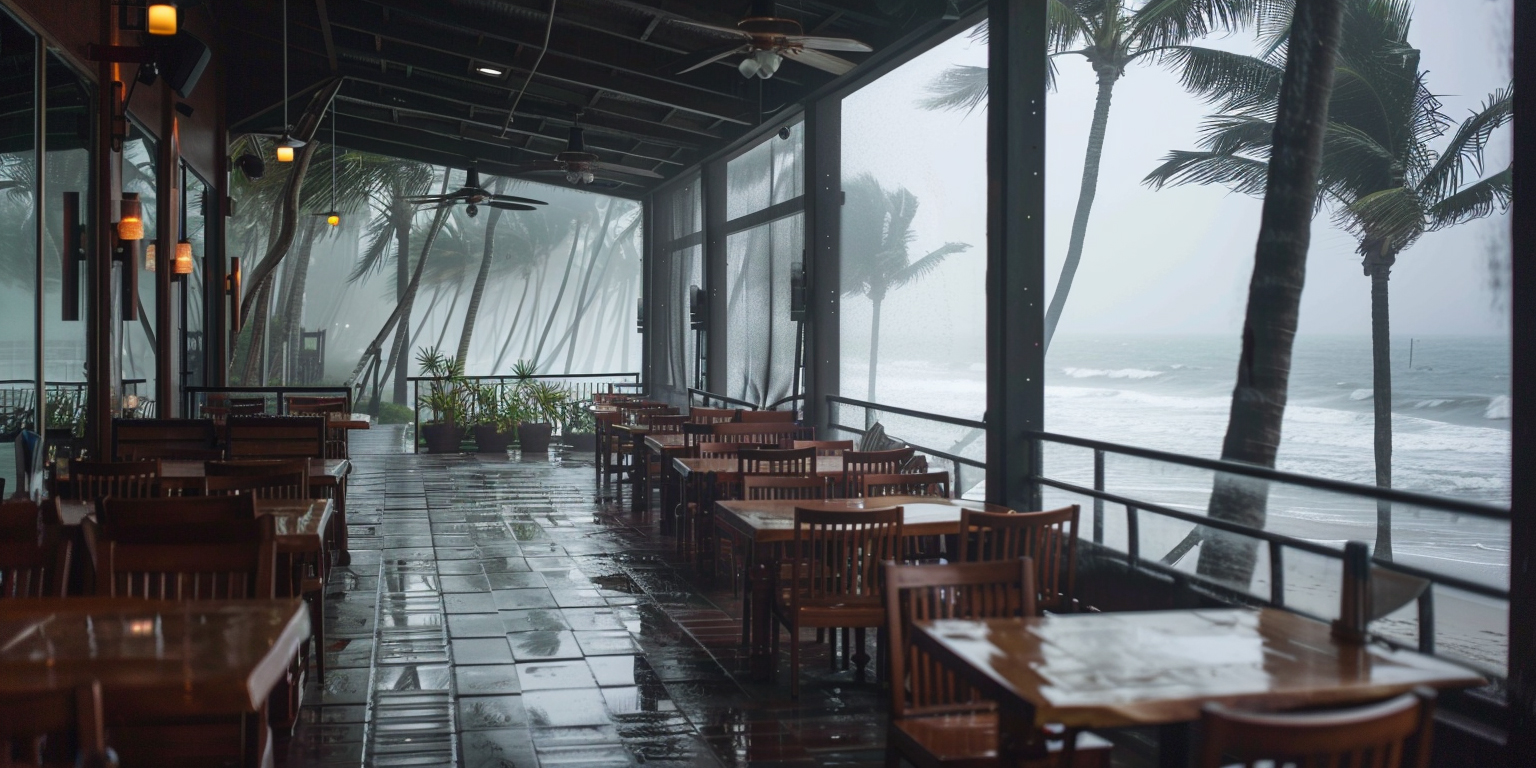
column 1177, row 260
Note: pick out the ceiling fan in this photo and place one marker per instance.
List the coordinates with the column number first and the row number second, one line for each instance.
column 579, row 165
column 473, row 195
column 767, row 40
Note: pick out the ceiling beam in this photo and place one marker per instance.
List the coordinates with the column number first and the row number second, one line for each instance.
column 325, row 31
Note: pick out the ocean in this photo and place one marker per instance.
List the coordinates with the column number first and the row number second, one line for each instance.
column 1451, row 422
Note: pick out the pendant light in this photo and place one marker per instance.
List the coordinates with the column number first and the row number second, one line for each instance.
column 286, row 144
column 160, row 18
column 332, row 217
column 130, row 217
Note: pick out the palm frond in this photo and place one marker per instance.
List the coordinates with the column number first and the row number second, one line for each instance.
column 927, row 264
column 1241, row 174
column 1237, row 134
column 962, row 87
column 1173, row 22
column 1231, row 81
column 1392, row 218
column 1467, row 145
column 1474, row 202
column 372, row 259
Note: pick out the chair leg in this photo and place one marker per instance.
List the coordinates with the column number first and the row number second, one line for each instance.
column 860, row 656
column 847, row 652
column 892, row 756
column 794, row 658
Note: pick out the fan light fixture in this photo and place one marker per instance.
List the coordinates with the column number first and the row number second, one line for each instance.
column 183, row 262
column 130, row 224
column 161, row 18
column 760, row 64
column 580, row 177
column 285, row 147
column 333, row 218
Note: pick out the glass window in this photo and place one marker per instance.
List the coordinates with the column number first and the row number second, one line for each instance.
column 138, row 353
column 769, row 173
column 18, row 242
column 762, row 358
column 69, row 176
column 194, row 308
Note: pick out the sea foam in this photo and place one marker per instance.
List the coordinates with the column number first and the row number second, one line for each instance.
column 1122, row 373
column 1498, row 408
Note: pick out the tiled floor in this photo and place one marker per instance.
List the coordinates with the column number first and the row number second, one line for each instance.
column 502, row 612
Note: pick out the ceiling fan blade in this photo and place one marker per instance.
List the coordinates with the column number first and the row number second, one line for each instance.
column 728, row 31
column 539, row 166
column 707, row 57
column 612, row 168
column 516, row 199
column 510, row 206
column 831, row 44
column 433, row 198
column 825, row 62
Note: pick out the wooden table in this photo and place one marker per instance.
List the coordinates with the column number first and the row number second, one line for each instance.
column 665, row 446
column 302, row 524
column 348, row 420
column 1107, row 670
column 638, row 469
column 155, row 660
column 763, row 524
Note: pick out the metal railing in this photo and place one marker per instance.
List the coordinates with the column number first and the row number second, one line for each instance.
column 66, row 404
column 961, row 467
column 1274, row 544
column 192, row 398
column 580, row 386
column 710, row 400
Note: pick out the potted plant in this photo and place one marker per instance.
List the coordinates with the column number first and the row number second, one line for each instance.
column 579, row 426
column 497, row 414
column 448, row 399
column 544, row 401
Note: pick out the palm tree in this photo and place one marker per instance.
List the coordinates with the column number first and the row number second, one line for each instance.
column 877, row 235
column 1110, row 35
column 1383, row 181
column 492, row 218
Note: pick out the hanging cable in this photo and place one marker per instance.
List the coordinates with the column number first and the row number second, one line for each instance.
column 549, row 27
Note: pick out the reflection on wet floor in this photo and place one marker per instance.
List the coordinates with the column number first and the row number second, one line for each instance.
column 502, row 612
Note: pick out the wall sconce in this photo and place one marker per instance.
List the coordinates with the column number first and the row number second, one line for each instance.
column 130, row 221
column 232, row 290
column 183, row 263
column 161, row 18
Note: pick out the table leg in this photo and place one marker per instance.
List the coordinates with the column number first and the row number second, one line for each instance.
column 1174, row 745
column 1019, row 741
column 343, row 555
column 762, row 627
column 669, row 494
column 638, row 477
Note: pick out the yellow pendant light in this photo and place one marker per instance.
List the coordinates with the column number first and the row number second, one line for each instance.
column 160, row 19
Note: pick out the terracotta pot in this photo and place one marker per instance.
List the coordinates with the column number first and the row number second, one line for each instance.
column 584, row 442
column 534, row 438
column 442, row 438
column 489, row 439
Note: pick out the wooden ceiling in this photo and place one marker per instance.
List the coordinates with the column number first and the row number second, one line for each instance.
column 410, row 86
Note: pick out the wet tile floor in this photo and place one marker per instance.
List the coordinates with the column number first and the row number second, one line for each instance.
column 501, row 613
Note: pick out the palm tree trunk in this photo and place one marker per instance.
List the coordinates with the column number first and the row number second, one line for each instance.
column 874, row 345
column 1090, row 187
column 560, row 295
column 1381, row 385
column 402, row 283
column 1274, row 293
column 442, row 335
column 253, row 374
column 511, row 329
column 293, row 300
column 491, row 219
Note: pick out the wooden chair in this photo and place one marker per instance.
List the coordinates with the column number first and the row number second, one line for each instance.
column 1389, row 734
column 156, row 554
column 775, row 434
column 34, row 553
column 721, row 450
column 663, row 424
column 28, row 723
column 857, row 464
column 336, row 437
column 834, row 568
column 767, row 417
column 825, row 447
column 276, row 437
column 91, row 480
column 777, row 488
column 694, row 434
column 937, row 720
column 711, row 415
column 287, row 479
column 1047, row 538
column 179, row 510
column 770, row 461
column 139, row 439
column 924, row 484
column 247, row 406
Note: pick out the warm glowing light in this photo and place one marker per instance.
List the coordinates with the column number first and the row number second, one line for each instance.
column 130, row 224
column 333, row 219
column 183, row 263
column 492, row 71
column 284, row 154
column 140, row 627
column 162, row 19
column 149, row 257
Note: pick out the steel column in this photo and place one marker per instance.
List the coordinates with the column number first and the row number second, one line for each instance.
column 1522, row 565
column 1015, row 249
column 167, row 229
column 823, row 254
column 716, row 285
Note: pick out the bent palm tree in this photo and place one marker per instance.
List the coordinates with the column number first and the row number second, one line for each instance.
column 877, row 233
column 1383, row 181
column 1110, row 35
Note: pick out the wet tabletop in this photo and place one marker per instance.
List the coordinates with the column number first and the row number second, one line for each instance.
column 764, row 521
column 1114, row 669
column 219, row 656
column 665, row 442
column 328, row 471
column 298, row 520
column 826, row 466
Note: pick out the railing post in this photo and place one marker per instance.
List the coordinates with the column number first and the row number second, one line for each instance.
column 415, row 418
column 1098, row 503
column 1132, row 536
column 1427, row 620
column 1276, row 574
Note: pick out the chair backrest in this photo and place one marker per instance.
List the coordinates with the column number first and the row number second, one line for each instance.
column 1048, row 538
column 663, row 423
column 176, row 510
column 247, row 406
column 1389, row 734
column 135, row 439
column 776, row 434
column 694, row 434
column 91, row 480
column 276, row 437
column 857, row 464
column 776, row 488
column 721, row 450
column 767, row 417
column 825, row 447
column 922, row 484
column 919, row 683
column 776, row 461
column 711, row 415
column 270, row 479
column 34, row 553
column 191, row 554
column 839, row 553
column 29, row 721
column 311, row 404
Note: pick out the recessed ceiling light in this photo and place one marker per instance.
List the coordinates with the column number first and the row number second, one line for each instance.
column 491, row 71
